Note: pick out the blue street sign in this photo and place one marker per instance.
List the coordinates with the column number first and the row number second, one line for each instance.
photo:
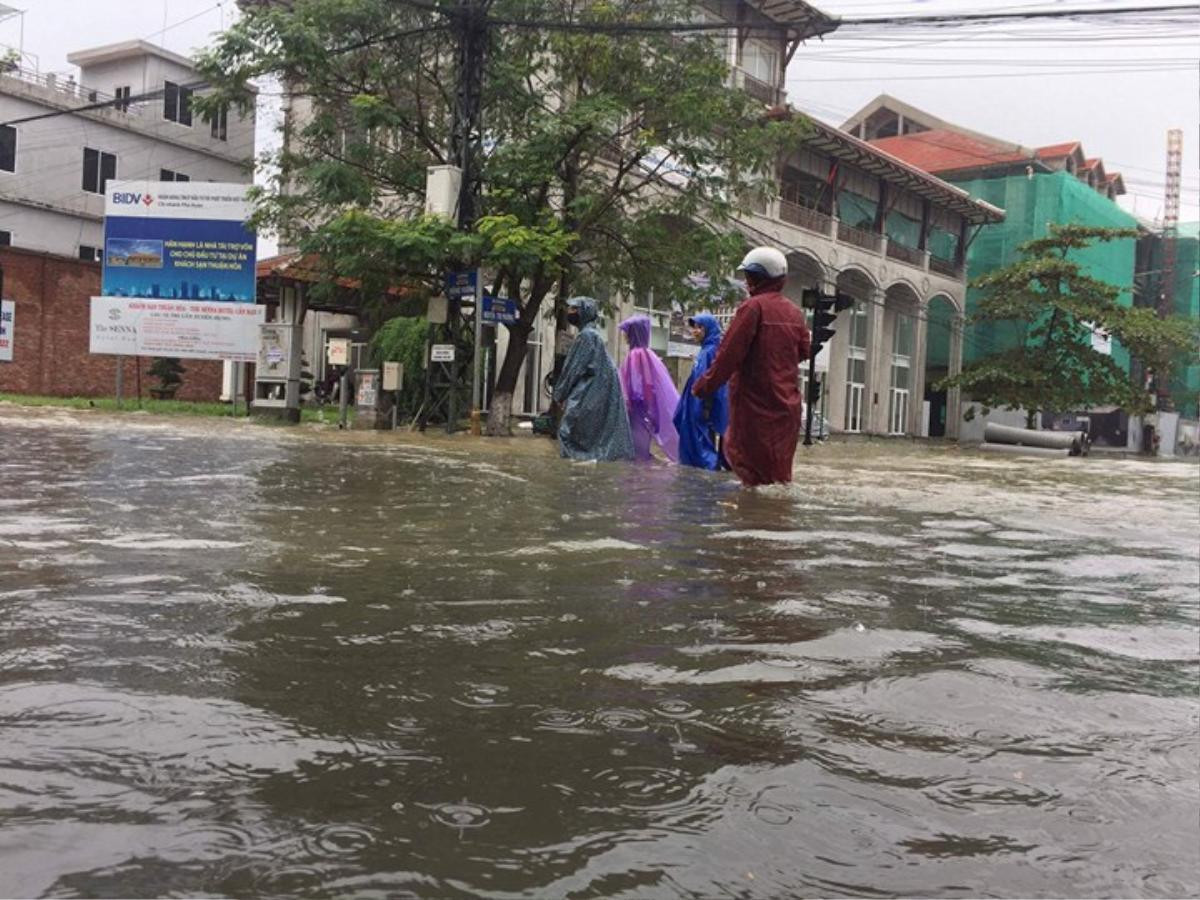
column 461, row 285
column 499, row 310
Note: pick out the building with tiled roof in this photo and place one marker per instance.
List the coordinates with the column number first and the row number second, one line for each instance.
column 1036, row 186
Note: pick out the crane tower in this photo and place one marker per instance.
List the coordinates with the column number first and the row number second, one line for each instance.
column 1170, row 234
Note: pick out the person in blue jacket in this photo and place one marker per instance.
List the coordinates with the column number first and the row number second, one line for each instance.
column 595, row 423
column 701, row 423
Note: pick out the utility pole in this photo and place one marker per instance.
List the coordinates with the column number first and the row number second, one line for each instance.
column 444, row 379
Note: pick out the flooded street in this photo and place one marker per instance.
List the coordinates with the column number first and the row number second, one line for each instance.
column 266, row 663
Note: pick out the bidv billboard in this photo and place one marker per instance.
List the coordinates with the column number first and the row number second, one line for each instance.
column 178, row 267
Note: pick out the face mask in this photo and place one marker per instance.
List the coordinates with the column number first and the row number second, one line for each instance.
column 573, row 318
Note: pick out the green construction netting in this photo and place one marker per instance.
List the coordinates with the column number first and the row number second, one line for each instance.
column 1031, row 205
column 856, row 210
column 942, row 244
column 903, row 229
column 1185, row 291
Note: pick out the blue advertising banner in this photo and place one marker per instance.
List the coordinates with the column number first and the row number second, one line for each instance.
column 178, row 241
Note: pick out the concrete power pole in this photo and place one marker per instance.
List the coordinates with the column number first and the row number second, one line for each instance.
column 444, row 380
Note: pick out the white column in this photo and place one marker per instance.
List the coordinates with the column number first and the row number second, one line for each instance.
column 954, row 395
column 879, row 367
column 917, row 376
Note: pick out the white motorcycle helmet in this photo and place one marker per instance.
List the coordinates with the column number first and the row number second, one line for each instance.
column 765, row 262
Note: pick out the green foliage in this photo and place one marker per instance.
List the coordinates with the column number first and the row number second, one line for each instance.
column 610, row 163
column 168, row 370
column 402, row 340
column 1056, row 305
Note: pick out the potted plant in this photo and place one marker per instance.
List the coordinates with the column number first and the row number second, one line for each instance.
column 169, row 372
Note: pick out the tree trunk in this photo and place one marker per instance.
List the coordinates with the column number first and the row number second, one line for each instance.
column 499, row 423
column 1030, row 417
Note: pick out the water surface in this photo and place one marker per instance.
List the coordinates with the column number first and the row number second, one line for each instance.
column 242, row 661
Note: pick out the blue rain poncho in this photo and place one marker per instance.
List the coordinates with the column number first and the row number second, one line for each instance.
column 595, row 424
column 699, row 422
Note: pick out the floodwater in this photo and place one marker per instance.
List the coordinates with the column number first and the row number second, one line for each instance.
column 247, row 661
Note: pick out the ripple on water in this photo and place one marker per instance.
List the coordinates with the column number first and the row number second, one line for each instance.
column 561, row 720
column 621, row 719
column 644, row 788
column 976, row 793
column 675, row 708
column 339, row 840
column 461, row 815
column 482, row 696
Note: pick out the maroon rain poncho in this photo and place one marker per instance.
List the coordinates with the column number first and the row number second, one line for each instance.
column 760, row 358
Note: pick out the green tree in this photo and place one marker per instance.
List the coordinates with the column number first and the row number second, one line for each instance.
column 1055, row 368
column 169, row 372
column 612, row 163
column 402, row 339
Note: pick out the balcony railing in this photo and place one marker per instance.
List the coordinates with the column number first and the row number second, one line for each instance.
column 945, row 267
column 806, row 218
column 868, row 240
column 904, row 254
column 758, row 89
column 60, row 84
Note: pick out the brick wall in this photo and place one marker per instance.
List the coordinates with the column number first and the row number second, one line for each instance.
column 52, row 296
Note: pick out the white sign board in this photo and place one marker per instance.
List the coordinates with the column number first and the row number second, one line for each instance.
column 178, row 200
column 442, row 353
column 8, row 315
column 130, row 326
column 393, row 376
column 337, row 352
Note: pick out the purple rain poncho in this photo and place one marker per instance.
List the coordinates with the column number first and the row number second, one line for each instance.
column 650, row 393
column 594, row 423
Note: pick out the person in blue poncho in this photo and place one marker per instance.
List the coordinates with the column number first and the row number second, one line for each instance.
column 701, row 423
column 595, row 423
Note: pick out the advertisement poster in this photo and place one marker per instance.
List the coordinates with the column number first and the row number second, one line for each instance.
column 8, row 316
column 191, row 330
column 174, row 240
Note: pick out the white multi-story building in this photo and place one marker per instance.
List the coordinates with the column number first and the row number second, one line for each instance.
column 57, row 154
column 852, row 220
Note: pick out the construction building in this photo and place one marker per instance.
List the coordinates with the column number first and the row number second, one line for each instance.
column 1036, row 186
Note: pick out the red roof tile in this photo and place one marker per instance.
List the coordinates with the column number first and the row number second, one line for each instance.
column 1057, row 151
column 947, row 151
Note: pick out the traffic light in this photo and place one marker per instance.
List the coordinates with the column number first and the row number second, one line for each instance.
column 814, row 391
column 825, row 308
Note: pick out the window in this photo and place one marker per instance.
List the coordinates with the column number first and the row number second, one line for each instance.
column 98, row 168
column 122, row 95
column 168, row 175
column 898, row 400
column 5, row 238
column 856, row 369
column 91, row 254
column 761, row 62
column 8, row 148
column 177, row 103
column 220, row 124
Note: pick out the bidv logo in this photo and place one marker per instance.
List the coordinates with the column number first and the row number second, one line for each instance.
column 127, row 198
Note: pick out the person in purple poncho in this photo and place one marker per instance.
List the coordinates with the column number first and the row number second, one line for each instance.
column 650, row 394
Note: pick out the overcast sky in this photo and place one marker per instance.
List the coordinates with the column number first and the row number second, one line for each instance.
column 1116, row 89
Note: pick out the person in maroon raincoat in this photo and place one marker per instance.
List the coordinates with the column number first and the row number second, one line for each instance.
column 760, row 358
